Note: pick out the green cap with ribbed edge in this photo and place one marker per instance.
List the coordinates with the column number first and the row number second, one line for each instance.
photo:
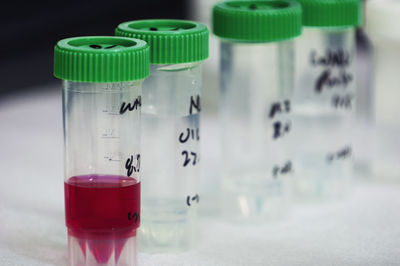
column 171, row 41
column 331, row 13
column 257, row 21
column 101, row 59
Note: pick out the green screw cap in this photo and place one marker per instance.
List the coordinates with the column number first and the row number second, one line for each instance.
column 101, row 59
column 257, row 21
column 171, row 41
column 331, row 13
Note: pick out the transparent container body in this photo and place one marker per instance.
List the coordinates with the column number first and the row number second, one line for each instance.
column 365, row 108
column 324, row 110
column 102, row 164
column 171, row 156
column 255, row 113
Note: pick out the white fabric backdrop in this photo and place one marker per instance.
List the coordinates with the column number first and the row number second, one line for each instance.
column 363, row 230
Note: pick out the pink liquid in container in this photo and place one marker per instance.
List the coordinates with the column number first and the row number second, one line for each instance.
column 102, row 213
column 102, row 89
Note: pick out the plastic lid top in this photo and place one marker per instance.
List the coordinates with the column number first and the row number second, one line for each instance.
column 171, row 41
column 101, row 59
column 331, row 13
column 257, row 21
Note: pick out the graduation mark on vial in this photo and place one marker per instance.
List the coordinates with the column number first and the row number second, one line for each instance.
column 130, row 167
column 111, row 110
column 190, row 200
column 131, row 106
column 189, row 157
column 134, row 216
column 113, row 156
column 114, row 86
column 110, row 133
column 339, row 155
column 194, row 104
column 279, row 107
column 281, row 129
column 285, row 169
column 192, row 133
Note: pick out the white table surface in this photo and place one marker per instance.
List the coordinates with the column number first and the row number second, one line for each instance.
column 362, row 230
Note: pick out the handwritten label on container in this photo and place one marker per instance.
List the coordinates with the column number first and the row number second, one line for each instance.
column 282, row 170
column 280, row 126
column 191, row 134
column 130, row 167
column 131, row 106
column 134, row 216
column 341, row 154
column 194, row 104
column 335, row 74
column 190, row 200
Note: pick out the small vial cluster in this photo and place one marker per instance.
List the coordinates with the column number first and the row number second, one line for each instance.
column 131, row 109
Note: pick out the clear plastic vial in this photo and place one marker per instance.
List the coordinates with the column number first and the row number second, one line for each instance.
column 257, row 71
column 170, row 130
column 102, row 78
column 324, row 99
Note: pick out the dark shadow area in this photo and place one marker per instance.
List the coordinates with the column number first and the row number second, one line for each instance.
column 30, row 29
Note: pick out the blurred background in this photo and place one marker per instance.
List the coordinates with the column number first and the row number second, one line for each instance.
column 32, row 230
column 31, row 29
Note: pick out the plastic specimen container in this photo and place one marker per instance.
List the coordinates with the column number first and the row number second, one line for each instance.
column 324, row 99
column 171, row 130
column 102, row 78
column 257, row 72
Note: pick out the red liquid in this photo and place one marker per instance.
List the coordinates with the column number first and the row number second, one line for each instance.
column 100, row 208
